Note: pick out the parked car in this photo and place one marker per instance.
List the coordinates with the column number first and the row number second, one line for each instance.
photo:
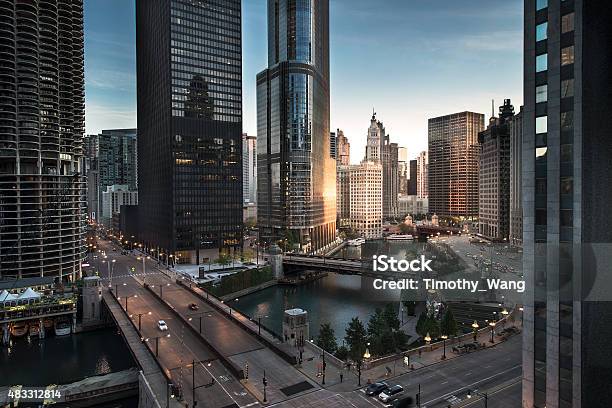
column 193, row 306
column 376, row 388
column 391, row 393
column 404, row 402
column 161, row 325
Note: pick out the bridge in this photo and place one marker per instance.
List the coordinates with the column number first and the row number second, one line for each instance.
column 337, row 265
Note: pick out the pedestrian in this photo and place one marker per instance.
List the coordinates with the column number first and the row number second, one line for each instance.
column 341, row 376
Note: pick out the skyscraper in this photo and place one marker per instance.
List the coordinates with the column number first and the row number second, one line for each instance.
column 422, row 172
column 366, row 199
column 111, row 159
column 403, row 171
column 379, row 149
column 42, row 186
column 516, row 170
column 494, row 176
column 413, row 177
column 333, row 149
column 249, row 168
column 296, row 174
column 343, row 148
column 567, row 228
column 453, row 164
column 189, row 57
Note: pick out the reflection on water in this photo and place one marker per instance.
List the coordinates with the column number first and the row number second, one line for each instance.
column 61, row 360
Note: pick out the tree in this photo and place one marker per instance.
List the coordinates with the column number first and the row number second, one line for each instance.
column 224, row 259
column 432, row 327
column 390, row 316
column 250, row 222
column 448, row 325
column 400, row 340
column 405, row 229
column 420, row 326
column 342, row 353
column 356, row 339
column 326, row 339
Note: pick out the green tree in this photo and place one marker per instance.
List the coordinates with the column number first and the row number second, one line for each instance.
column 432, row 327
column 420, row 326
column 356, row 339
column 326, row 339
column 448, row 325
column 342, row 353
column 405, row 229
column 390, row 316
column 400, row 340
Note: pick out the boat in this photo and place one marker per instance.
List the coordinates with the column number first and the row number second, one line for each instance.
column 19, row 329
column 34, row 329
column 400, row 237
column 62, row 328
column 356, row 242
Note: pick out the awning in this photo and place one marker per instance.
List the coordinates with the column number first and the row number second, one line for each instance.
column 28, row 294
column 5, row 296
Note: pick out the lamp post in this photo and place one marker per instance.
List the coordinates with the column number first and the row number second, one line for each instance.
column 505, row 314
column 157, row 343
column 126, row 300
column 521, row 309
column 492, row 326
column 144, row 267
column 265, row 384
column 324, row 366
column 139, row 318
column 479, row 394
column 427, row 338
column 475, row 326
column 110, row 264
column 444, row 337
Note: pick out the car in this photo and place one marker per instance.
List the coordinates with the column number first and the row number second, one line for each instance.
column 391, row 393
column 161, row 325
column 376, row 388
column 193, row 306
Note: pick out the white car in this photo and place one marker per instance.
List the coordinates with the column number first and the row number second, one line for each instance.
column 391, row 393
column 161, row 325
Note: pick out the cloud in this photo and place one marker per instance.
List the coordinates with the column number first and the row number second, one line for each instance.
column 98, row 117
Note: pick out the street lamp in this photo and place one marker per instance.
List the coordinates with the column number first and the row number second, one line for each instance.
column 479, row 394
column 367, row 355
column 492, row 326
column 144, row 267
column 157, row 343
column 475, row 326
column 505, row 313
column 126, row 300
column 427, row 338
column 521, row 310
column 117, row 289
column 444, row 337
column 139, row 318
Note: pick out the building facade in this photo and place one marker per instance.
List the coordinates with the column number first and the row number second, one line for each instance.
column 453, row 164
column 413, row 177
column 43, row 210
column 567, row 228
column 412, row 205
column 379, row 149
column 343, row 195
column 189, row 90
column 249, row 168
column 516, row 169
column 333, row 145
column 343, row 149
column 422, row 179
column 296, row 173
column 111, row 158
column 403, row 171
column 366, row 199
column 113, row 198
column 494, row 176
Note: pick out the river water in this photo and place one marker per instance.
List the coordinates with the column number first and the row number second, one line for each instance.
column 334, row 299
column 61, row 360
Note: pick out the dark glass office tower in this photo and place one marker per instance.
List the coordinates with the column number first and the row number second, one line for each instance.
column 567, row 227
column 189, row 126
column 42, row 113
column 295, row 172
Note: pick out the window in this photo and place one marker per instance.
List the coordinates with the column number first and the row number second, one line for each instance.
column 567, row 88
column 541, row 31
column 567, row 55
column 541, row 4
column 567, row 23
column 567, row 120
column 542, row 124
column 541, row 93
column 542, row 63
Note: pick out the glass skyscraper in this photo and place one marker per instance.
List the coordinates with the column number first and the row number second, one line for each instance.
column 189, row 57
column 567, row 228
column 295, row 171
column 42, row 114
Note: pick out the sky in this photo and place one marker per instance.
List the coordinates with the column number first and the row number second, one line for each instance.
column 409, row 60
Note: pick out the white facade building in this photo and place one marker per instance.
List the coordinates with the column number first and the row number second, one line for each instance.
column 422, row 168
column 113, row 198
column 412, row 204
column 366, row 199
column 249, row 168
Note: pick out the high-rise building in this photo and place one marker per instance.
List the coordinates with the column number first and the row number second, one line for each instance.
column 403, row 170
column 42, row 186
column 113, row 197
column 343, row 195
column 366, row 199
column 343, row 148
column 333, row 145
column 411, row 204
column 567, row 228
column 296, row 174
column 189, row 89
column 111, row 158
column 422, row 170
column 494, row 176
column 453, row 164
column 249, row 168
column 413, row 177
column 379, row 149
column 516, row 169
